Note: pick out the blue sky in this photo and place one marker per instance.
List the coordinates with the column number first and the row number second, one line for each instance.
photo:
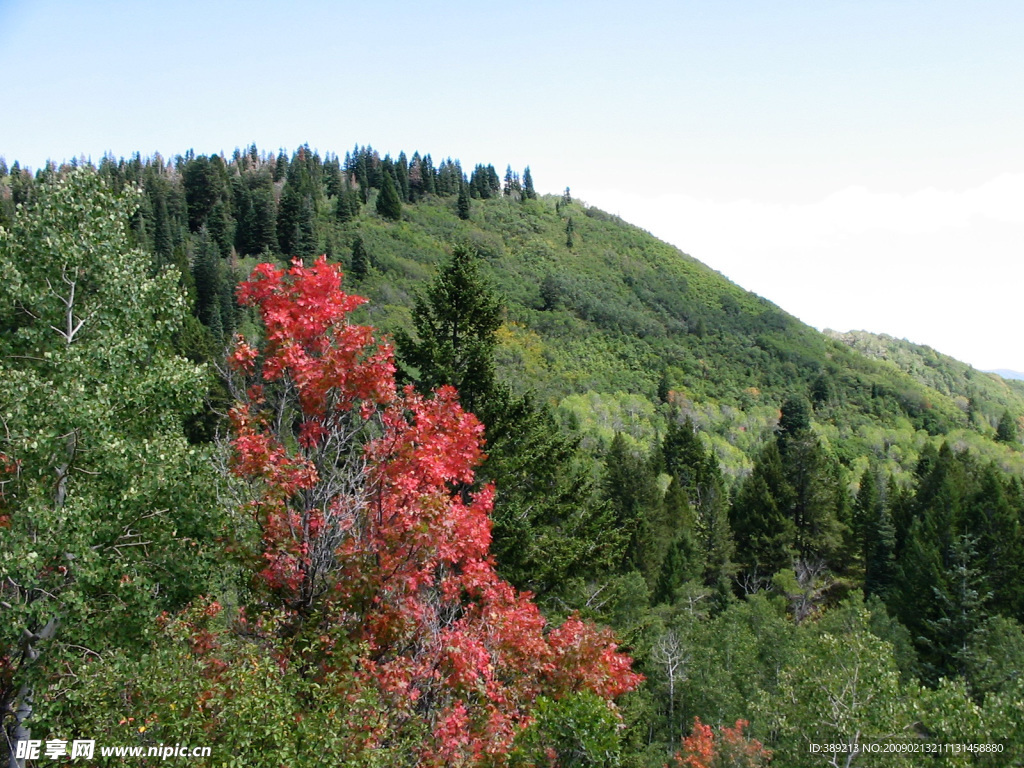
column 861, row 163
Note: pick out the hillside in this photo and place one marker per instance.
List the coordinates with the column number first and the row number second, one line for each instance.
column 597, row 328
column 988, row 390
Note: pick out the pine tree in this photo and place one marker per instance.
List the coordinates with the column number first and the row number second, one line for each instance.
column 360, row 260
column 631, row 488
column 280, row 166
column 569, row 230
column 549, row 524
column 209, row 279
column 528, row 191
column 682, row 561
column 795, row 418
column 1006, row 432
column 993, row 519
column 876, row 533
column 455, row 323
column 389, row 205
column 402, row 177
column 761, row 520
column 464, row 203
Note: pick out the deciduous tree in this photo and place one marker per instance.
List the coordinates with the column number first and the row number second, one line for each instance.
column 365, row 540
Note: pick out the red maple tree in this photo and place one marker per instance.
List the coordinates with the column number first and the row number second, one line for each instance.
column 730, row 749
column 370, row 534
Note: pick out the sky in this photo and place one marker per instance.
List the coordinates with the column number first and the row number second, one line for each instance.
column 859, row 163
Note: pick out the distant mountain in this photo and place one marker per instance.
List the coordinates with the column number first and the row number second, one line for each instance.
column 982, row 394
column 1006, row 373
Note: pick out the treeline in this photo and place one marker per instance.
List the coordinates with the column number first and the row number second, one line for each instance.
column 201, row 213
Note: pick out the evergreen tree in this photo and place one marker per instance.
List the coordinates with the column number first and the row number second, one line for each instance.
column 819, row 502
column 631, row 488
column 682, row 561
column 360, row 260
column 549, row 523
column 683, row 455
column 402, row 177
column 280, row 166
column 263, row 233
column 332, row 177
column 795, row 418
column 347, row 204
column 1006, row 432
column 569, row 230
column 455, row 323
column 429, row 175
column 202, row 183
column 876, row 533
column 761, row 521
column 992, row 518
column 961, row 600
column 463, row 203
column 696, row 473
column 389, row 205
column 163, row 245
column 528, row 191
column 209, row 281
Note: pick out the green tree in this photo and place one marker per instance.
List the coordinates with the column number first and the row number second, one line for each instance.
column 360, row 259
column 455, row 323
column 841, row 686
column 548, row 521
column 463, row 205
column 876, row 533
column 529, row 193
column 208, row 274
column 109, row 518
column 795, row 417
column 389, row 204
column 1006, row 432
column 631, row 487
column 761, row 520
column 681, row 560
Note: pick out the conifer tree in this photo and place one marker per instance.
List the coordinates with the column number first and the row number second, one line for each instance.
column 1006, row 432
column 402, row 177
column 876, row 533
column 455, row 323
column 682, row 562
column 360, row 259
column 280, row 166
column 764, row 530
column 463, row 202
column 631, row 488
column 206, row 271
column 529, row 192
column 389, row 205
column 548, row 521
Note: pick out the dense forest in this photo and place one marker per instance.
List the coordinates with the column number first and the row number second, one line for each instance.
column 377, row 461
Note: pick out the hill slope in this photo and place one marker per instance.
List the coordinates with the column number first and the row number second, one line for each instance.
column 597, row 329
column 604, row 321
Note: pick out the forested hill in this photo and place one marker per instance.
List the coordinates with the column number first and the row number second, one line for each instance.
column 603, row 320
column 777, row 523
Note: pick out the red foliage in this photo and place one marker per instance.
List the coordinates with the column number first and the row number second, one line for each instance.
column 731, row 749
column 367, row 527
